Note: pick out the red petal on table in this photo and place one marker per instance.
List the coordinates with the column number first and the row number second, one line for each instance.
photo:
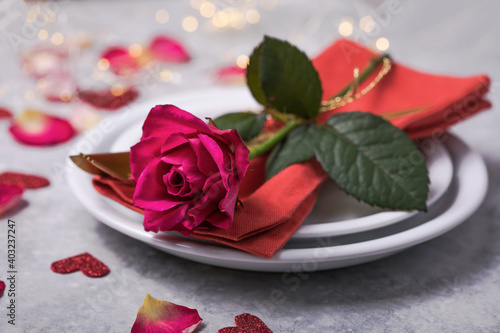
column 39, row 129
column 57, row 87
column 84, row 262
column 5, row 113
column 168, row 49
column 156, row 316
column 23, row 180
column 109, row 99
column 247, row 323
column 10, row 196
column 120, row 60
column 231, row 74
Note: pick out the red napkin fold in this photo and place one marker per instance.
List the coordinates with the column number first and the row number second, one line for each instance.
column 273, row 210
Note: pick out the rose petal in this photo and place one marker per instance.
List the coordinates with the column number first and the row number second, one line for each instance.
column 43, row 61
column 57, row 87
column 231, row 75
column 23, row 180
column 163, row 117
column 2, row 288
column 169, row 220
column 5, row 113
column 141, row 153
column 120, row 60
column 150, row 192
column 167, row 49
column 156, row 316
column 107, row 99
column 10, row 196
column 39, row 129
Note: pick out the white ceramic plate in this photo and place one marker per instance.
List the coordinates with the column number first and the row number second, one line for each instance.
column 335, row 213
column 466, row 194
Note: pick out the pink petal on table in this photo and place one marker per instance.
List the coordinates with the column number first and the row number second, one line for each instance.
column 156, row 316
column 57, row 87
column 39, row 129
column 167, row 49
column 5, row 113
column 120, row 60
column 109, row 99
column 10, row 196
column 231, row 75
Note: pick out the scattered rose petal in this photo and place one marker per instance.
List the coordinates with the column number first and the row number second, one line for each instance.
column 84, row 117
column 2, row 288
column 23, row 180
column 247, row 323
column 231, row 74
column 5, row 113
column 10, row 196
column 85, row 262
column 43, row 61
column 57, row 87
column 109, row 99
column 168, row 49
column 120, row 60
column 39, row 129
column 156, row 316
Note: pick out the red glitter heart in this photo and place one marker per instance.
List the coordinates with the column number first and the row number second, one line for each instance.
column 5, row 114
column 85, row 262
column 247, row 323
column 23, row 180
column 2, row 288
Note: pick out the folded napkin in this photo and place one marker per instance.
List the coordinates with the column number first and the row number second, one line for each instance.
column 272, row 211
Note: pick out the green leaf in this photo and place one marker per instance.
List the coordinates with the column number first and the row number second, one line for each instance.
column 287, row 78
column 253, row 75
column 373, row 160
column 248, row 125
column 297, row 147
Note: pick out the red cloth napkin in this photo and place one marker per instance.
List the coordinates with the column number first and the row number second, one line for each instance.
column 273, row 210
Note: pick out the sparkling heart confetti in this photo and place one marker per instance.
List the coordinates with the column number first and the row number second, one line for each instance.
column 23, row 180
column 247, row 323
column 85, row 262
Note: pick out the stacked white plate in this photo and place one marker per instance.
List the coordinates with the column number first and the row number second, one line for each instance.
column 339, row 232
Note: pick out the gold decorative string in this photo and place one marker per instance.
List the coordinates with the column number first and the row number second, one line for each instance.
column 351, row 95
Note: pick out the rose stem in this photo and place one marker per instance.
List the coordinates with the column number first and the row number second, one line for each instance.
column 265, row 146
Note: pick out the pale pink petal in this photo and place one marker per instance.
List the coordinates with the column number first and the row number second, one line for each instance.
column 167, row 49
column 231, row 75
column 10, row 196
column 120, row 60
column 108, row 99
column 57, row 87
column 39, row 129
column 43, row 61
column 156, row 316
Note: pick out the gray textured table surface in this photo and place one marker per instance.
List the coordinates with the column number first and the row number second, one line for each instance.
column 449, row 284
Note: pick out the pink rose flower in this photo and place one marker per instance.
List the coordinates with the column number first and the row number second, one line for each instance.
column 188, row 173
